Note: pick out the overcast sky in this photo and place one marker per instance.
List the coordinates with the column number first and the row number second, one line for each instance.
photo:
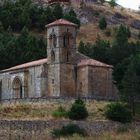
column 133, row 4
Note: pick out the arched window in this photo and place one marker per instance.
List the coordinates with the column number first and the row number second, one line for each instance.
column 68, row 56
column 17, row 88
column 66, row 40
column 52, row 56
column 50, row 40
column 53, row 40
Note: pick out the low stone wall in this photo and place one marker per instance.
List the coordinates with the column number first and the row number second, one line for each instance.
column 41, row 130
column 57, row 99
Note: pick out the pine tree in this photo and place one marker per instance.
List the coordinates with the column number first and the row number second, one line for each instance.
column 112, row 3
column 102, row 23
column 130, row 83
column 58, row 11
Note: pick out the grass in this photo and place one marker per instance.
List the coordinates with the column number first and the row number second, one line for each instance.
column 48, row 110
column 44, row 110
column 129, row 135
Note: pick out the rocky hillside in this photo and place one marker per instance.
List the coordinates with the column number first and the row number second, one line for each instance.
column 90, row 15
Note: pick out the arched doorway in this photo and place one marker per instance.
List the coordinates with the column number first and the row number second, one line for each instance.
column 17, row 88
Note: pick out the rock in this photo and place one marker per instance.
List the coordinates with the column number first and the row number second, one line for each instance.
column 119, row 16
column 84, row 20
column 135, row 24
column 113, row 20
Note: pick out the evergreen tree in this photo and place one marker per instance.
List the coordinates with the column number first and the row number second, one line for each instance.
column 120, row 45
column 72, row 17
column 17, row 50
column 84, row 49
column 101, row 50
column 102, row 23
column 102, row 1
column 78, row 110
column 130, row 83
column 112, row 3
column 58, row 11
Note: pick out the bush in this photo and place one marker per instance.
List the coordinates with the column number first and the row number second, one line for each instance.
column 108, row 32
column 118, row 112
column 123, row 129
column 102, row 23
column 78, row 111
column 59, row 113
column 68, row 130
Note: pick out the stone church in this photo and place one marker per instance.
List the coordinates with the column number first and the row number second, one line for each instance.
column 65, row 73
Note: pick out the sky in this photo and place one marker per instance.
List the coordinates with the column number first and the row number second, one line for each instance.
column 133, row 4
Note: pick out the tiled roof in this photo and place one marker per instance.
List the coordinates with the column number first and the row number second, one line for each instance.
column 61, row 22
column 75, row 59
column 26, row 65
column 92, row 62
column 80, row 60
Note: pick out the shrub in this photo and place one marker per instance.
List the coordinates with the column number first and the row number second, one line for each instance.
column 123, row 129
column 102, row 23
column 118, row 112
column 78, row 111
column 108, row 32
column 139, row 35
column 59, row 113
column 69, row 130
column 112, row 3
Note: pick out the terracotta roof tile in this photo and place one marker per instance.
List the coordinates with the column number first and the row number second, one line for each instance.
column 61, row 22
column 92, row 62
column 26, row 65
column 81, row 60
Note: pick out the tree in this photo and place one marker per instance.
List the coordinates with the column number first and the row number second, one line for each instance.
column 57, row 11
column 78, row 110
column 120, row 45
column 1, row 28
column 102, row 1
column 84, row 49
column 26, row 47
column 139, row 35
column 112, row 3
column 101, row 50
column 130, row 84
column 118, row 112
column 119, row 71
column 102, row 23
column 49, row 15
column 72, row 17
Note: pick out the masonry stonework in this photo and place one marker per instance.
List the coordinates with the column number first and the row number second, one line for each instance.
column 65, row 73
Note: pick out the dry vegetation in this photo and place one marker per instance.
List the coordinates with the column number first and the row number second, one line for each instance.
column 129, row 135
column 90, row 31
column 44, row 110
column 120, row 134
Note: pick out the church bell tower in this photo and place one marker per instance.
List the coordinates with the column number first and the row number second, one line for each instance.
column 61, row 48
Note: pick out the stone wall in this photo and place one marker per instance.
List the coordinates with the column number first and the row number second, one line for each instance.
column 61, row 100
column 33, row 81
column 82, row 81
column 41, row 128
column 100, row 82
